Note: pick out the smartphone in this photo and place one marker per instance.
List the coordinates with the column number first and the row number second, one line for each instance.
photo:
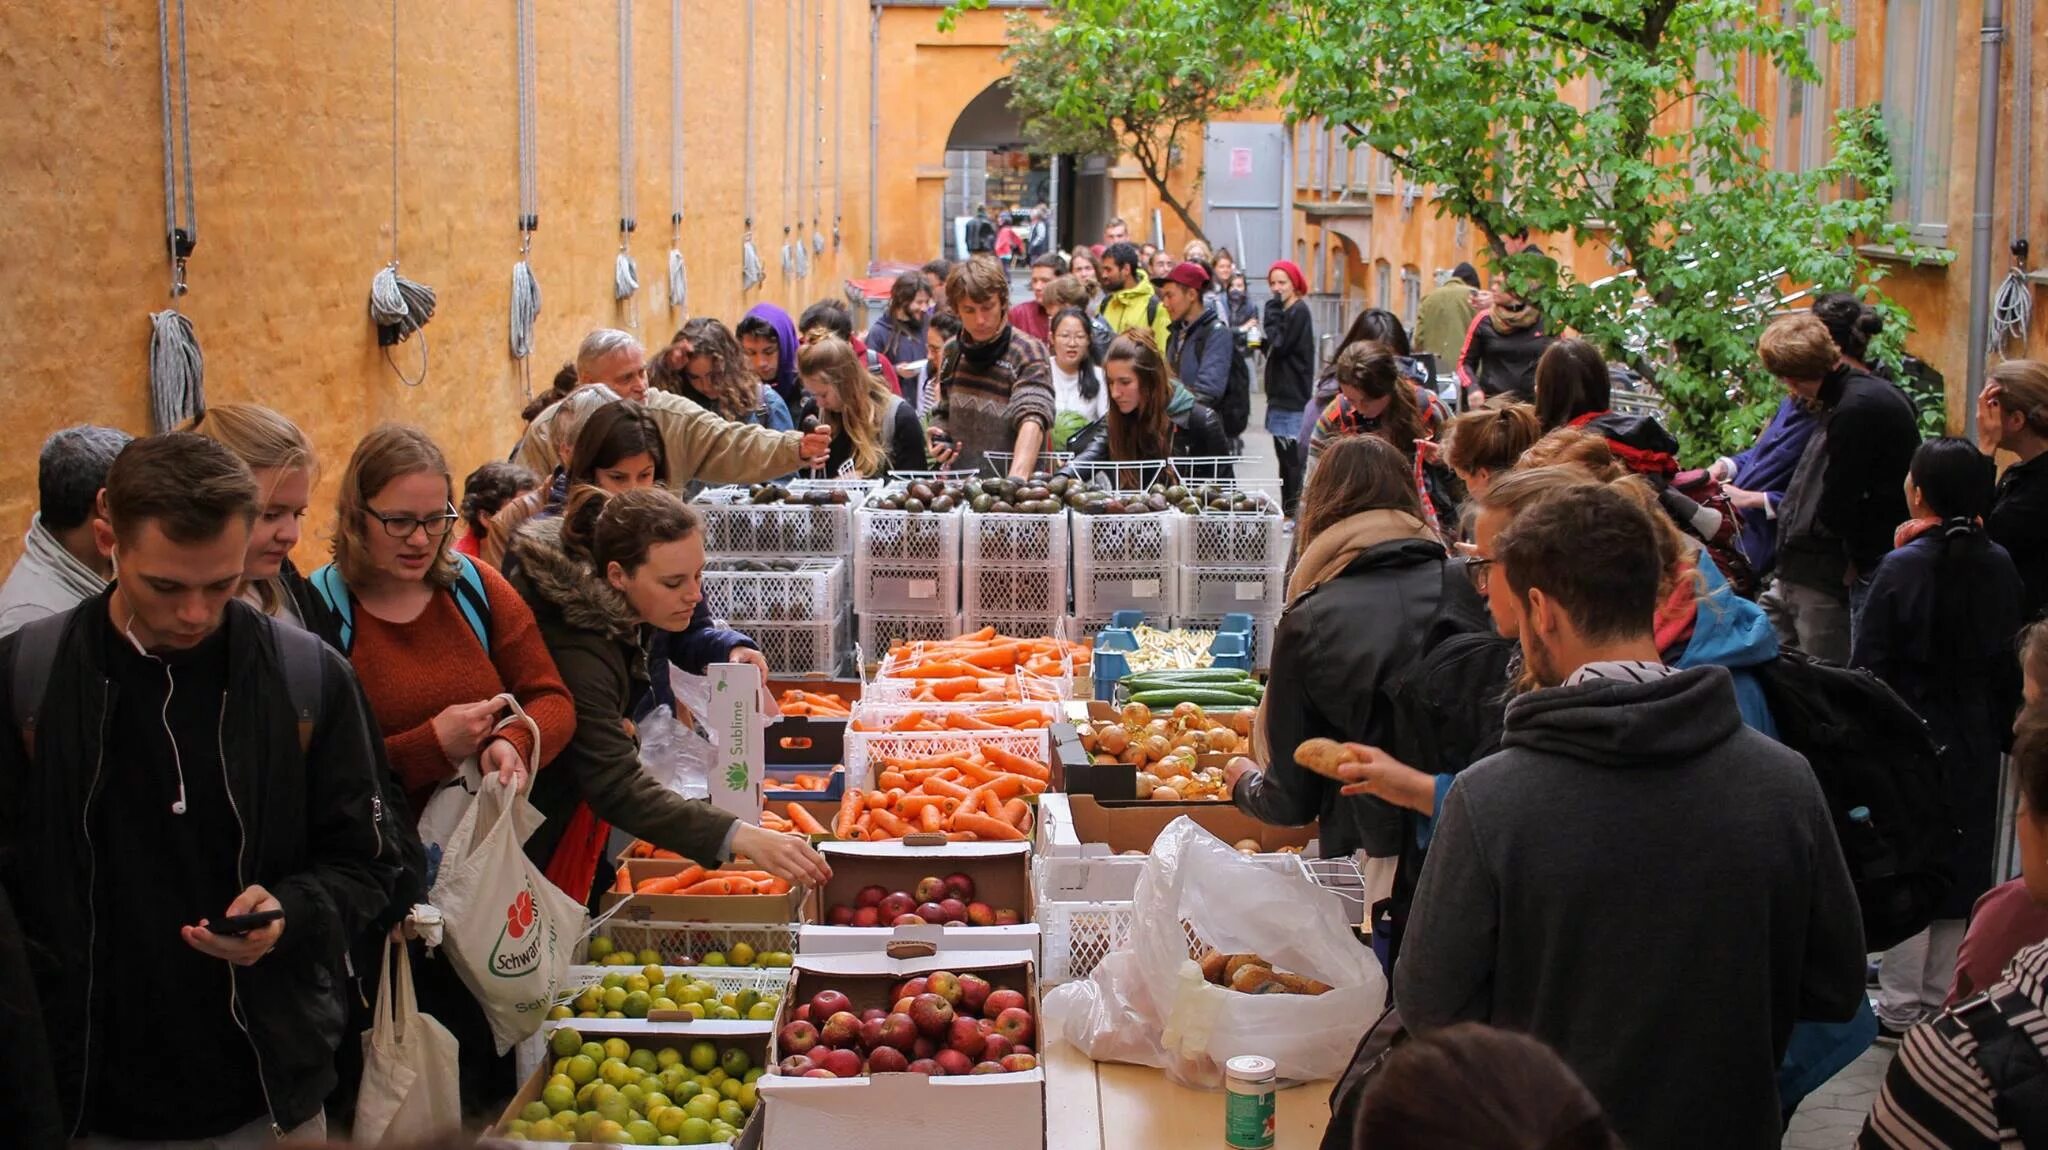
column 240, row 924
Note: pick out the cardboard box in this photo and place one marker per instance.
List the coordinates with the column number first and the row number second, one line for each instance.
column 1002, row 879
column 735, row 723
column 905, row 1111
column 775, row 786
column 805, row 741
column 1076, row 772
column 737, row 908
column 753, row 1037
column 1080, row 825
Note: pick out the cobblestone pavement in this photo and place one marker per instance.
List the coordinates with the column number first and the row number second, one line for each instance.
column 1830, row 1117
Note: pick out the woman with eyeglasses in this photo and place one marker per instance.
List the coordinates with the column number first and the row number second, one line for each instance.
column 1502, row 349
column 434, row 638
column 1079, row 398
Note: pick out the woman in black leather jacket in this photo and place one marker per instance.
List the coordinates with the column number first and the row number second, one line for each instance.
column 1151, row 416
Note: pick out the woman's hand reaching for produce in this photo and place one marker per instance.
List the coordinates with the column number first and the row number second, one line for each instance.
column 784, row 856
column 1371, row 771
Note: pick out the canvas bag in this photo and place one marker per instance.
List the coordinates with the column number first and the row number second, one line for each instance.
column 443, row 812
column 411, row 1090
column 509, row 931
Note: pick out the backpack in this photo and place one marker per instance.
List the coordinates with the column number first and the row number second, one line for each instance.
column 1881, row 772
column 35, row 656
column 2009, row 1061
column 1235, row 408
column 1100, row 334
column 467, row 590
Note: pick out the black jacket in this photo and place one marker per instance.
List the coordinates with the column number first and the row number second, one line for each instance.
column 902, row 442
column 1858, row 456
column 2019, row 523
column 1290, row 355
column 1498, row 362
column 1197, row 434
column 1338, row 652
column 315, row 835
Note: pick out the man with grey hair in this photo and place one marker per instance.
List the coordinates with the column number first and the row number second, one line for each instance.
column 61, row 565
column 614, row 358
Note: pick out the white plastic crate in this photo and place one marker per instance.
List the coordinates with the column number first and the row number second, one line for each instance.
column 865, row 748
column 1262, row 633
column 1149, row 540
column 734, row 525
column 1037, row 591
column 810, row 593
column 893, row 587
column 800, row 648
column 925, row 539
column 881, row 713
column 1233, row 539
column 880, row 631
column 1206, row 591
column 1015, row 540
column 1098, row 591
column 1085, row 908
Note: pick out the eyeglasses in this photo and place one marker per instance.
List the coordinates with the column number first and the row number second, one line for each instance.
column 1516, row 306
column 1480, row 571
column 401, row 526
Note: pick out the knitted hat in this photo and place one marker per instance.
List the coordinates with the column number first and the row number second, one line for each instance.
column 1294, row 275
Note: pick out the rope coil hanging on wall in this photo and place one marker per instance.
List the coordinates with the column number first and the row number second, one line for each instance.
column 626, row 273
column 2012, row 306
column 398, row 306
column 177, row 370
column 678, row 275
column 525, row 289
column 752, row 273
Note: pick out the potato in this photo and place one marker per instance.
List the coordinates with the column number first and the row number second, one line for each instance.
column 1237, row 962
column 1248, row 846
column 1253, row 979
column 1323, row 756
column 1166, row 794
column 1296, row 984
column 1212, row 966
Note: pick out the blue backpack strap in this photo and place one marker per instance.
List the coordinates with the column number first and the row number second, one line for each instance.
column 473, row 599
column 327, row 583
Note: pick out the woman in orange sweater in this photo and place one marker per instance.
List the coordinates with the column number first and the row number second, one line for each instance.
column 413, row 617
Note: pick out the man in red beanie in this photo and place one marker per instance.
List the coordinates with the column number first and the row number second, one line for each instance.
column 1199, row 347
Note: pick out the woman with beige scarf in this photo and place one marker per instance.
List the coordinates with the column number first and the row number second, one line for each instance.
column 1370, row 585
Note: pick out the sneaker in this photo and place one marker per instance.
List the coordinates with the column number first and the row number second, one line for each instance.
column 1889, row 1035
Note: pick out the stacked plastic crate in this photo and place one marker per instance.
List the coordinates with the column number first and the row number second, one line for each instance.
column 906, row 577
column 778, row 570
column 1126, row 562
column 1234, row 562
column 1013, row 572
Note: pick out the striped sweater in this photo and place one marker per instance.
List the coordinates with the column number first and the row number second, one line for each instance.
column 987, row 392
column 1935, row 1097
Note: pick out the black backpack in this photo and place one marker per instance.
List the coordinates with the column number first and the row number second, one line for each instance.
column 1881, row 772
column 1101, row 335
column 1235, row 408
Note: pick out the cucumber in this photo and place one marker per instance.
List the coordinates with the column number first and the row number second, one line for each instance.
column 1198, row 696
column 1150, row 681
column 1196, row 675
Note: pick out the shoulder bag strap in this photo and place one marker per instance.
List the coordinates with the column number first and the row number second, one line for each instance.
column 2010, row 1060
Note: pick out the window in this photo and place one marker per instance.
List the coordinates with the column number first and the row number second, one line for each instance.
column 1304, row 152
column 1384, row 273
column 1336, row 162
column 1411, row 295
column 1361, row 165
column 1382, row 173
column 1799, row 126
column 1919, row 92
column 1339, row 281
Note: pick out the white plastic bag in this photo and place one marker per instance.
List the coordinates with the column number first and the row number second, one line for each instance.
column 412, row 1089
column 510, row 932
column 1147, row 1002
column 444, row 811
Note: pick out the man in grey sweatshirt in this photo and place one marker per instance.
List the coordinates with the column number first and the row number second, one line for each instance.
column 1636, row 878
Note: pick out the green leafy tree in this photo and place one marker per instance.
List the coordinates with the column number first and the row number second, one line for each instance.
column 1619, row 123
column 1136, row 77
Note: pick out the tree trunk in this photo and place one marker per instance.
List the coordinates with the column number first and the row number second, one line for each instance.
column 1152, row 160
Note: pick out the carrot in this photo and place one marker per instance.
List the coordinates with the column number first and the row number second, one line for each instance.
column 993, row 829
column 1018, row 812
column 666, row 884
column 772, row 885
column 936, row 669
column 887, row 821
column 849, row 807
column 955, row 689
column 774, row 822
column 909, row 722
column 804, row 821
column 690, row 874
column 714, row 886
column 1005, row 786
column 964, row 722
column 1016, row 764
column 998, row 658
column 938, row 786
column 1014, row 717
column 914, row 806
column 624, row 884
column 961, row 836
column 978, row 772
column 931, row 819
column 864, row 823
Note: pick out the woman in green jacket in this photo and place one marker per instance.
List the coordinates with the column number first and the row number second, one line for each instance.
column 599, row 578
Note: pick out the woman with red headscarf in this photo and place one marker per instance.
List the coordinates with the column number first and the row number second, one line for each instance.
column 1290, row 347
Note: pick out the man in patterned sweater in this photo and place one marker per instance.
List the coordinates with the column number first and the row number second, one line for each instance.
column 995, row 382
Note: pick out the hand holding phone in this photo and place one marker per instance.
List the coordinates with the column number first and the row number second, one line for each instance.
column 251, row 927
column 241, row 924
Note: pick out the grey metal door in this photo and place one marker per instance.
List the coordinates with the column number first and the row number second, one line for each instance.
column 1244, row 197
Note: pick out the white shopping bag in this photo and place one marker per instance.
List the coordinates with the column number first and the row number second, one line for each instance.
column 510, row 931
column 412, row 1089
column 444, row 811
column 1147, row 1002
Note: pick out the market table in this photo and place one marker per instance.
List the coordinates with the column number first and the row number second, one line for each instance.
column 1110, row 1106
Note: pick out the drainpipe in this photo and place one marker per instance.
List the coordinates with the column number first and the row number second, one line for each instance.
column 874, row 133
column 1992, row 38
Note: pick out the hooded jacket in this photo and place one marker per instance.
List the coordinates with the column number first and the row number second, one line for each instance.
column 701, row 446
column 1638, row 441
column 785, row 384
column 1578, row 876
column 1730, row 631
column 2019, row 523
column 596, row 644
column 1197, row 434
column 1137, row 306
column 45, row 581
column 1848, row 491
column 313, row 832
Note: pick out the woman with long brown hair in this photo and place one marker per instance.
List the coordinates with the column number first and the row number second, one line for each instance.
column 716, row 377
column 1151, row 416
column 874, row 431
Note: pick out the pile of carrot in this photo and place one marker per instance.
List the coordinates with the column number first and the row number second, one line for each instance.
column 802, row 783
column 694, row 879
column 1008, row 718
column 980, row 652
column 813, row 705
column 966, row 796
column 642, row 849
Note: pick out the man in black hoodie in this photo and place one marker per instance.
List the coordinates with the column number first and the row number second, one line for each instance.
column 1636, row 877
column 188, row 760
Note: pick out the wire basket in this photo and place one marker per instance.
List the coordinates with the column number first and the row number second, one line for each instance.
column 1220, row 591
column 1341, row 877
column 807, row 591
column 801, row 648
column 864, row 749
column 1128, row 476
column 881, row 631
column 1015, row 540
column 734, row 525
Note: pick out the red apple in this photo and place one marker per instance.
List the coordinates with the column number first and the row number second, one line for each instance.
column 981, row 914
column 819, row 1072
column 839, row 916
column 827, row 1003
column 988, row 1068
column 867, row 916
column 965, row 1037
column 1016, row 1063
column 930, row 912
column 896, row 905
column 1007, row 917
column 925, row 1066
column 842, row 1029
column 988, row 1026
column 953, row 909
column 953, row 1062
column 1014, row 1024
column 872, row 1013
column 842, row 1063
column 1023, row 1050
column 994, row 1048
column 932, row 1014
column 795, row 1066
column 870, row 896
column 899, row 1031
column 798, row 1037
column 887, row 1060
column 923, row 1047
column 902, row 1005
column 945, row 984
column 930, row 889
column 1001, row 1000
column 960, row 887
column 870, row 1033
column 911, row 988
column 802, row 1013
column 974, row 992
column 911, row 920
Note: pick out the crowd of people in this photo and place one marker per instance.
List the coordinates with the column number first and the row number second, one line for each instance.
column 1590, row 769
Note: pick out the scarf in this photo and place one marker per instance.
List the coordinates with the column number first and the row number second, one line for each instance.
column 983, row 356
column 1520, row 321
column 1326, row 557
column 1913, row 529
